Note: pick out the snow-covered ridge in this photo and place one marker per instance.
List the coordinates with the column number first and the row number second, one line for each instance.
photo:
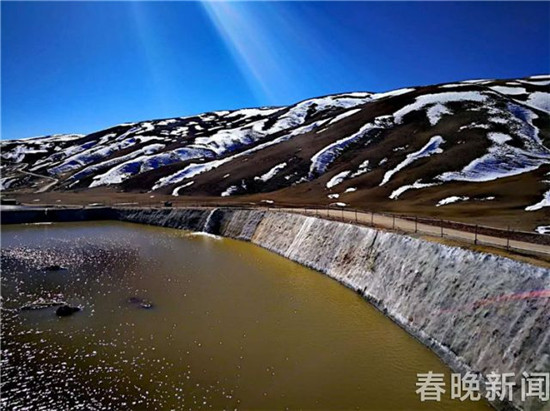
column 366, row 140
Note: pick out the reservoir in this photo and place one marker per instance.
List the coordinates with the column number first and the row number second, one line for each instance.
column 177, row 320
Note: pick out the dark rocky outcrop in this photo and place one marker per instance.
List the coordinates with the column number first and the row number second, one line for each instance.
column 66, row 310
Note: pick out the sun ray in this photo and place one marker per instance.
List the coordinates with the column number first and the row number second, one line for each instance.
column 257, row 35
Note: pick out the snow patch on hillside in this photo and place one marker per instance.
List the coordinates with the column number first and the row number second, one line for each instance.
column 362, row 169
column 229, row 191
column 545, row 202
column 474, row 125
column 296, row 115
column 17, row 155
column 540, row 100
column 429, row 149
column 194, row 169
column 176, row 191
column 229, row 140
column 443, row 98
column 499, row 138
column 123, row 172
column 271, row 173
column 392, row 93
column 92, row 155
column 343, row 115
column 435, row 113
column 415, row 186
column 326, row 156
column 536, row 82
column 6, row 182
column 96, row 168
column 252, row 112
column 502, row 159
column 453, row 85
column 451, row 200
column 337, row 179
column 509, row 91
column 148, row 162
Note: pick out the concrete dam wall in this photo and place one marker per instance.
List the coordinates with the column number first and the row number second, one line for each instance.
column 478, row 312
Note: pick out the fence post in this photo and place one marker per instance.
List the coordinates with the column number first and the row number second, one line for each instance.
column 393, row 223
column 508, row 239
column 355, row 216
column 475, row 237
column 416, row 224
column 441, row 224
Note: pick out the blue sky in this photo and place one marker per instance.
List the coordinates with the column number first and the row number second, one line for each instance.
column 81, row 67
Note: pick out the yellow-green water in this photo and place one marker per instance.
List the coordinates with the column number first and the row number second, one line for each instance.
column 232, row 326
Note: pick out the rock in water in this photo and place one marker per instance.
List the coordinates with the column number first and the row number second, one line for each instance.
column 54, row 267
column 66, row 310
column 140, row 302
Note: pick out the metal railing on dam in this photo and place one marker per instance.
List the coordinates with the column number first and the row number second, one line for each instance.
column 461, row 232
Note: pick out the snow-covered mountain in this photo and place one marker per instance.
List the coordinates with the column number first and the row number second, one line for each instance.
column 467, row 142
